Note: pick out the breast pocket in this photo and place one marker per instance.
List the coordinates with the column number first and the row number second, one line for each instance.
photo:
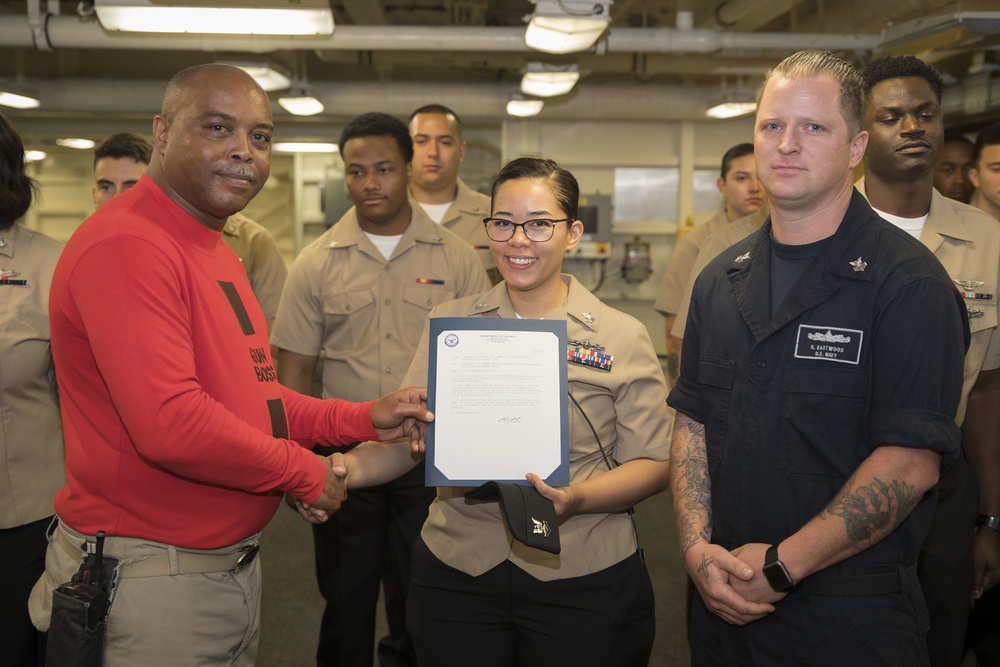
column 349, row 321
column 823, row 421
column 715, row 379
column 418, row 300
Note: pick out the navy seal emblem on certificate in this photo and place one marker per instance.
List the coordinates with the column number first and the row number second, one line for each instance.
column 829, row 344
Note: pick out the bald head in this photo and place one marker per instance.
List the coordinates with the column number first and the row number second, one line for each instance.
column 212, row 141
column 188, row 81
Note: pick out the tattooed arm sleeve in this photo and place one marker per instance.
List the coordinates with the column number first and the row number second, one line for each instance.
column 689, row 482
column 872, row 503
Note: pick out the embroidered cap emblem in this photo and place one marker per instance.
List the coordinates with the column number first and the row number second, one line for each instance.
column 540, row 527
column 859, row 265
column 968, row 285
column 742, row 258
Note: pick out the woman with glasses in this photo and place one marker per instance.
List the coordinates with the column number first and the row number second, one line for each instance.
column 477, row 596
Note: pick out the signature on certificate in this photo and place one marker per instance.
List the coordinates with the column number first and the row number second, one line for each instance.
column 509, row 420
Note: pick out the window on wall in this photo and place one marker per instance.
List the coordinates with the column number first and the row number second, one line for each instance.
column 706, row 194
column 646, row 194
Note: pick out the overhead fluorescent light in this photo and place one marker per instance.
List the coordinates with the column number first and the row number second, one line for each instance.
column 733, row 102
column 75, row 142
column 35, row 156
column 18, row 96
column 225, row 17
column 543, row 80
column 525, row 108
column 304, row 147
column 725, row 109
column 301, row 104
column 269, row 78
column 567, row 26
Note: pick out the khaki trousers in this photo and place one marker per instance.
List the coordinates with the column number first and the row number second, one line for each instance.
column 176, row 619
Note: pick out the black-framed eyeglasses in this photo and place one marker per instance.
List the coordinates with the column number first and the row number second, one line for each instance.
column 538, row 230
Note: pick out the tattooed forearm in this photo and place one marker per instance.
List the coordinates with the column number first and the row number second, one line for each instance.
column 872, row 511
column 690, row 534
column 690, row 483
column 703, row 568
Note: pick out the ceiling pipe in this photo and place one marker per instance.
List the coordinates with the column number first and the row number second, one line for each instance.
column 480, row 102
column 70, row 32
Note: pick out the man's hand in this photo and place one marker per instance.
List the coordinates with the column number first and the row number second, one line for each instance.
column 985, row 560
column 334, row 491
column 313, row 513
column 715, row 571
column 755, row 589
column 403, row 414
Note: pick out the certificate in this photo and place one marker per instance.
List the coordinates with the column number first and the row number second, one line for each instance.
column 497, row 388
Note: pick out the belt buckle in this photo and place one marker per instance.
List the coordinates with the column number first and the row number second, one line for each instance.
column 249, row 552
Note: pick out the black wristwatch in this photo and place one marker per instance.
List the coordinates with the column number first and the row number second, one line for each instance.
column 988, row 521
column 776, row 572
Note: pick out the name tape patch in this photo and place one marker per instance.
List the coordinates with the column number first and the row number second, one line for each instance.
column 829, row 344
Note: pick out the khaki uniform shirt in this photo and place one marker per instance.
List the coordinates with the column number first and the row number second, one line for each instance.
column 627, row 408
column 365, row 313
column 31, row 435
column 465, row 218
column 711, row 248
column 678, row 271
column 966, row 241
column 265, row 266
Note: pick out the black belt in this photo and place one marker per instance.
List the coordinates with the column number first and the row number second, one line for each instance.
column 859, row 584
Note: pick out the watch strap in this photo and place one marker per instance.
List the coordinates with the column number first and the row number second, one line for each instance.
column 988, row 521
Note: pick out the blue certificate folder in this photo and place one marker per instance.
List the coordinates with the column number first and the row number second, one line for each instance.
column 448, row 333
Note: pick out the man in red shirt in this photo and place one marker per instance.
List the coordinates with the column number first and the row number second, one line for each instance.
column 180, row 442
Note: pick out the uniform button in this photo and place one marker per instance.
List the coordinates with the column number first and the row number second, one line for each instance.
column 429, row 302
column 761, row 364
column 347, row 307
column 388, row 371
column 388, row 301
column 388, row 336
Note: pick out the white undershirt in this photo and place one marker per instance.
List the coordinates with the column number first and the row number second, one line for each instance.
column 385, row 244
column 912, row 226
column 435, row 211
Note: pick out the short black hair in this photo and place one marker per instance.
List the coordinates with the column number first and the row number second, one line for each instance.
column 900, row 67
column 16, row 187
column 988, row 136
column 737, row 151
column 437, row 109
column 375, row 124
column 124, row 144
column 563, row 184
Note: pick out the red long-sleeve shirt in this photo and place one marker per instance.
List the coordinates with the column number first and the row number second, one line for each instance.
column 176, row 427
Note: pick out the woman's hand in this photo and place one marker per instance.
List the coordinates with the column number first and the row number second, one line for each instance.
column 563, row 498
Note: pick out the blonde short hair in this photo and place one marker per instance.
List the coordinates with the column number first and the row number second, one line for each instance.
column 824, row 63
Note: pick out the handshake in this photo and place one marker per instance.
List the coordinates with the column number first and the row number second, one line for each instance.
column 400, row 416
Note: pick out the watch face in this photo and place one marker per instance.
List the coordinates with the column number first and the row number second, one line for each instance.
column 777, row 577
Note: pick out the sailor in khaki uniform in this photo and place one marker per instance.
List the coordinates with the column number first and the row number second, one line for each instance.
column 906, row 129
column 360, row 294
column 742, row 196
column 712, row 247
column 438, row 151
column 477, row 592
column 260, row 256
